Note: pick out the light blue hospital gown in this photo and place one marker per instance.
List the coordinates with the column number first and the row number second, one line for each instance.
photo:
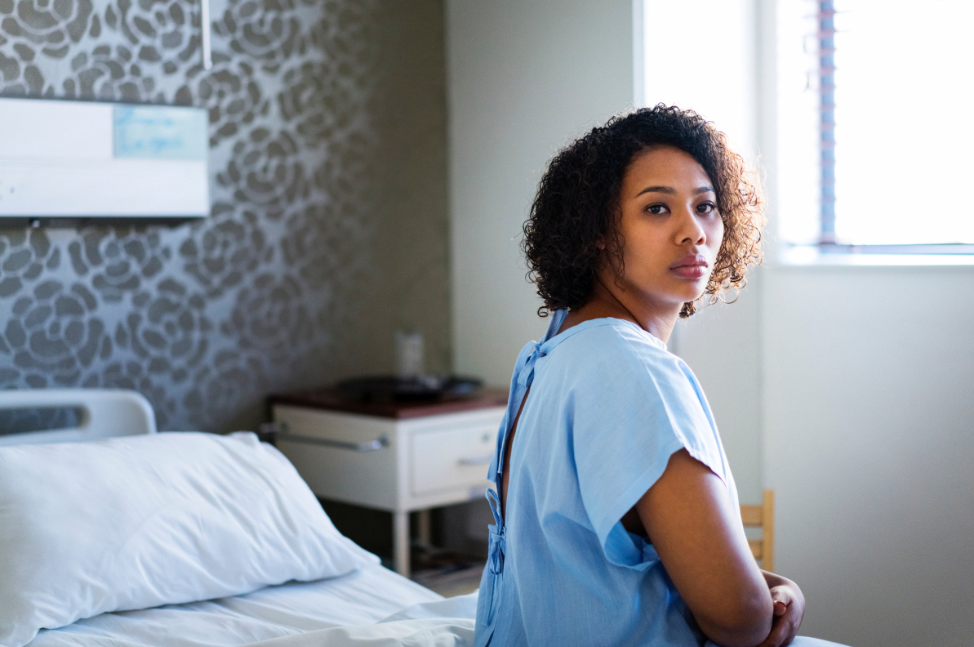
column 608, row 407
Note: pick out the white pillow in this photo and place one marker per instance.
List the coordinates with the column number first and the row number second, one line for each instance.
column 140, row 521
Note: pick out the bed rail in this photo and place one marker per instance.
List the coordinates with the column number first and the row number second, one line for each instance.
column 98, row 413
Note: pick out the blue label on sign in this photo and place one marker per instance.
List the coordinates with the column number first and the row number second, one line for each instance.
column 160, row 132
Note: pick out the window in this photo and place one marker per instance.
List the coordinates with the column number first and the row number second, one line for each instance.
column 888, row 85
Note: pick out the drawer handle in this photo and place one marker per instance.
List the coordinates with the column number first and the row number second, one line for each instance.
column 475, row 460
column 281, row 428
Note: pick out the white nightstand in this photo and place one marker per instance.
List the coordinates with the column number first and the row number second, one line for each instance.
column 395, row 456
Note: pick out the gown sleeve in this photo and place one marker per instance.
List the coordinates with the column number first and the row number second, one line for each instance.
column 634, row 406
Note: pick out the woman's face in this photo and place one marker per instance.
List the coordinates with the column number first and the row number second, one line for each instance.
column 671, row 228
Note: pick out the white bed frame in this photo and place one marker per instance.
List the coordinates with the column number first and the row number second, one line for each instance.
column 106, row 413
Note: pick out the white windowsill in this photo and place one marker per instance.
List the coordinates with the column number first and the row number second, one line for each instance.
column 811, row 256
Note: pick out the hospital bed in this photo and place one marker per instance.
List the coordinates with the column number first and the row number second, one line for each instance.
column 63, row 479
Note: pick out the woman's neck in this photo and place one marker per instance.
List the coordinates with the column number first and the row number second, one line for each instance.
column 607, row 302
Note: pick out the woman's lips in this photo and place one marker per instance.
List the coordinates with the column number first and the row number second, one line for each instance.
column 693, row 266
column 690, row 271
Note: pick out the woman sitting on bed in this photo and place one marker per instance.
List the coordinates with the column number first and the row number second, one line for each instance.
column 618, row 521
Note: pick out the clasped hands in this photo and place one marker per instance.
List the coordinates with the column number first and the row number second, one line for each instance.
column 789, row 608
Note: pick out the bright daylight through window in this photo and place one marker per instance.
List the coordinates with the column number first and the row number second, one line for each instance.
column 889, row 83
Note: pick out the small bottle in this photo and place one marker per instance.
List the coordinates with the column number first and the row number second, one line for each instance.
column 409, row 353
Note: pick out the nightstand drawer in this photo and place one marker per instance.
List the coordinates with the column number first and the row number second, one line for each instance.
column 355, row 468
column 452, row 458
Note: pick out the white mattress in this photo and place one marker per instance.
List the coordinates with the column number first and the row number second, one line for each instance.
column 364, row 597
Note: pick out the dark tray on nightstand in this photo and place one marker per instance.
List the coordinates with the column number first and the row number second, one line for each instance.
column 333, row 400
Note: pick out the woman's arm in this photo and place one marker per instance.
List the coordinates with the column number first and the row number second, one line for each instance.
column 688, row 516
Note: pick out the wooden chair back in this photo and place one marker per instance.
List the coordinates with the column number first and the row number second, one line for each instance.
column 761, row 516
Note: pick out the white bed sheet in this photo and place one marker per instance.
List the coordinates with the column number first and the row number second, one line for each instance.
column 365, row 597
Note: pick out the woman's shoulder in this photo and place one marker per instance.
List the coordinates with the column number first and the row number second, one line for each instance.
column 620, row 344
column 616, row 357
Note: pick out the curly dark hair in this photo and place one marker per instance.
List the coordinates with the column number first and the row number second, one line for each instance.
column 573, row 226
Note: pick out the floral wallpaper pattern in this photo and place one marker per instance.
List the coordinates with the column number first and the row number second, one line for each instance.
column 277, row 287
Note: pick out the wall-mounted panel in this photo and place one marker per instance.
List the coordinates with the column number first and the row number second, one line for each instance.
column 76, row 159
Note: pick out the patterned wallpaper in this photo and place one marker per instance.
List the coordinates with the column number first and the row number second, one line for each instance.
column 328, row 227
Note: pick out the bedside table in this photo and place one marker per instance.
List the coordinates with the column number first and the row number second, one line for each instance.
column 394, row 456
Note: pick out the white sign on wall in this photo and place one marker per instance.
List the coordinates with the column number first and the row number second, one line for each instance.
column 75, row 159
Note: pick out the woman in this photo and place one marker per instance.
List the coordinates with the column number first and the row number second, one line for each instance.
column 617, row 517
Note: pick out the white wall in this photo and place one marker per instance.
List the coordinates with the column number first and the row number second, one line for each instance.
column 524, row 78
column 721, row 343
column 868, row 394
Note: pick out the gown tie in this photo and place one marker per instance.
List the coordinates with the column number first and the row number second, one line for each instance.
column 524, row 375
column 495, row 552
column 520, row 382
column 491, row 583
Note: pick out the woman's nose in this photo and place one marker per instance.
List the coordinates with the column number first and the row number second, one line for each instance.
column 691, row 229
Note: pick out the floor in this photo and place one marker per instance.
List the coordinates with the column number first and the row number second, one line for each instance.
column 447, row 572
column 451, row 583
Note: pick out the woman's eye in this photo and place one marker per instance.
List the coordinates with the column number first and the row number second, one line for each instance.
column 656, row 209
column 706, row 207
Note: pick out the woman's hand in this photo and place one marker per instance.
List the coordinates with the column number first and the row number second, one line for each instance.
column 789, row 609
